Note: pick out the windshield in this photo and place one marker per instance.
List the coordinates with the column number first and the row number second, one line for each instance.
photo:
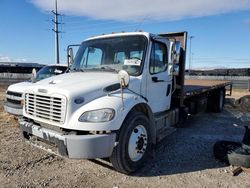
column 49, row 71
column 111, row 54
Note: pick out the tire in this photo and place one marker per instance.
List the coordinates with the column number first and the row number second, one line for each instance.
column 244, row 103
column 216, row 101
column 183, row 116
column 134, row 144
column 240, row 157
column 246, row 138
column 223, row 148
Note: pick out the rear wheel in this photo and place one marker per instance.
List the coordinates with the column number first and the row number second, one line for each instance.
column 134, row 144
column 246, row 138
column 216, row 101
column 240, row 157
column 223, row 148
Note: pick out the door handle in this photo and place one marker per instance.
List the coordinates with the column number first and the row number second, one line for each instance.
column 155, row 79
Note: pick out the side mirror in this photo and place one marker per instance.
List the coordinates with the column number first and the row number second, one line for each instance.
column 173, row 69
column 176, row 70
column 123, row 78
column 70, row 56
column 176, row 52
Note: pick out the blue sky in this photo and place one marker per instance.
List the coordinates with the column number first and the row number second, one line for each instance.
column 221, row 33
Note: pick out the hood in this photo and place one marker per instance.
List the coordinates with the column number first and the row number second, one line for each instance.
column 80, row 86
column 19, row 87
column 77, row 84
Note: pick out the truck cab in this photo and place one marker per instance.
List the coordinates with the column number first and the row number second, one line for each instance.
column 123, row 94
column 146, row 61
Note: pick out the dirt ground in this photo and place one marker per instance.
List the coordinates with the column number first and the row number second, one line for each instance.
column 183, row 159
column 237, row 93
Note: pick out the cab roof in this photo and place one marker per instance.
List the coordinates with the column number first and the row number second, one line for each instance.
column 146, row 34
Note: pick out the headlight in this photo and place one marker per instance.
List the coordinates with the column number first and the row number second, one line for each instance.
column 101, row 115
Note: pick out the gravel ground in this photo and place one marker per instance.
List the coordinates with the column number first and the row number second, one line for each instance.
column 183, row 159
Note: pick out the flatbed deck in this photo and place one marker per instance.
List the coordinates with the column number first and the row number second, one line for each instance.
column 196, row 87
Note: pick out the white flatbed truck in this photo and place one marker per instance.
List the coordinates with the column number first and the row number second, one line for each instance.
column 124, row 93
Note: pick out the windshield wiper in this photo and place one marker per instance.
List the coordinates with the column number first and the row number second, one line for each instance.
column 76, row 70
column 106, row 67
column 72, row 69
column 101, row 68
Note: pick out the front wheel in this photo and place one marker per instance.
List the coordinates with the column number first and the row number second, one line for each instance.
column 134, row 144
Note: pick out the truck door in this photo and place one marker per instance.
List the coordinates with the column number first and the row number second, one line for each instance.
column 158, row 81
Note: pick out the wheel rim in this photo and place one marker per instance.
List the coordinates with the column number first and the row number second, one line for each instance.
column 138, row 142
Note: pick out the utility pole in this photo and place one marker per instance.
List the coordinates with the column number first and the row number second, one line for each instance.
column 55, row 21
column 190, row 54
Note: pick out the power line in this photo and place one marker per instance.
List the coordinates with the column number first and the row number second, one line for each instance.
column 56, row 31
column 190, row 53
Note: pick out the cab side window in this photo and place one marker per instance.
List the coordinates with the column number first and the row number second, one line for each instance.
column 158, row 58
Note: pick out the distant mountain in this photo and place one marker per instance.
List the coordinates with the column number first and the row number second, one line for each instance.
column 219, row 71
column 209, row 68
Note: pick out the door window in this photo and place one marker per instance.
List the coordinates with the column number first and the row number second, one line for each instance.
column 158, row 58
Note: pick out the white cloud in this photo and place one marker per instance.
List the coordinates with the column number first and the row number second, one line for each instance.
column 134, row 10
column 23, row 60
column 4, row 58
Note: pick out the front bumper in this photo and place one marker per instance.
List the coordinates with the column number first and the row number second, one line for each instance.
column 72, row 146
column 14, row 109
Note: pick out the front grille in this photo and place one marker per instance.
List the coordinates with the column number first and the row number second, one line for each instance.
column 14, row 93
column 44, row 107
